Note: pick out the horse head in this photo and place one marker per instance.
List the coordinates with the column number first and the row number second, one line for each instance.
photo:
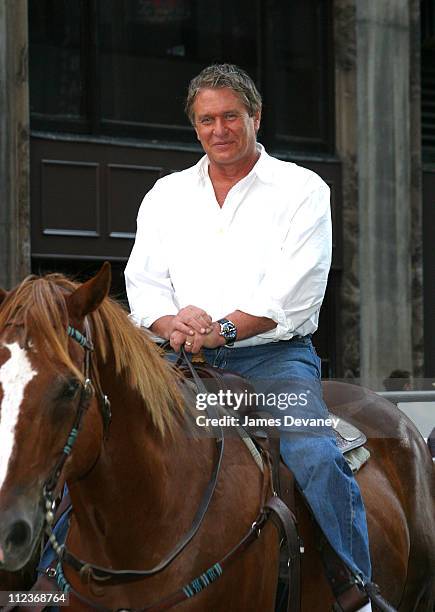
column 42, row 390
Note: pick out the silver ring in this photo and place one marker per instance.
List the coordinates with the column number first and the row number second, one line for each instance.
column 188, row 343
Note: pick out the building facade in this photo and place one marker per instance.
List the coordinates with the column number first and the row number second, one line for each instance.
column 92, row 114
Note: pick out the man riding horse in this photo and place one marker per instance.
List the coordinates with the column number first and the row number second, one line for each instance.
column 231, row 258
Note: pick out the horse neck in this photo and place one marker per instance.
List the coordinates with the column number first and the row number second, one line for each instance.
column 139, row 478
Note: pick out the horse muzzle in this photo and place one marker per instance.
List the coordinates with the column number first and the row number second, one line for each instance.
column 20, row 531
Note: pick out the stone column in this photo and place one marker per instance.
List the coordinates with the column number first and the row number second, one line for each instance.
column 384, row 151
column 416, row 191
column 346, row 146
column 14, row 143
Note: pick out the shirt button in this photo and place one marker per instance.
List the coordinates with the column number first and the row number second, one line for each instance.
column 221, row 231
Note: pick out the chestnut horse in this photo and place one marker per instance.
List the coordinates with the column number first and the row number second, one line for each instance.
column 136, row 484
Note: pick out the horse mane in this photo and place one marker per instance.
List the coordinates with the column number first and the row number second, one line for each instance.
column 39, row 305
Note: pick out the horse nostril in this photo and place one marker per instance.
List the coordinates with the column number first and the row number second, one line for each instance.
column 19, row 535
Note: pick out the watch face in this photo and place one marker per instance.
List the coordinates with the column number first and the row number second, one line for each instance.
column 228, row 330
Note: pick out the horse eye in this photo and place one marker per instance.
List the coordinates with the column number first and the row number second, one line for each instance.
column 70, row 389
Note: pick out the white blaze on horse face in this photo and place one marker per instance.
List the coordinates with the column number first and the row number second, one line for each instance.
column 15, row 375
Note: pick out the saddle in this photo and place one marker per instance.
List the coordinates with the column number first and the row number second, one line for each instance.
column 348, row 437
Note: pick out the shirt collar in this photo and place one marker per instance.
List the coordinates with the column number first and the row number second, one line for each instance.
column 262, row 169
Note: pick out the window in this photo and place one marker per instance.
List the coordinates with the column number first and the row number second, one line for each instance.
column 121, row 67
column 152, row 49
column 56, row 62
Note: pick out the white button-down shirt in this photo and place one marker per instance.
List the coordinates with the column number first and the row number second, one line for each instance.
column 266, row 251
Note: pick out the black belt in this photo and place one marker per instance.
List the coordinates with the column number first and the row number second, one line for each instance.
column 296, row 338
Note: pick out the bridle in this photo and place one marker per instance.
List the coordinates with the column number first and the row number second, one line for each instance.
column 108, row 576
column 86, row 393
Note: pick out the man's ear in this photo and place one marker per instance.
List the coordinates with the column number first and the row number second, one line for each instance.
column 257, row 120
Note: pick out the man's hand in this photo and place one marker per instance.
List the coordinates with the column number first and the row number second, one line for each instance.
column 192, row 319
column 193, row 344
column 177, row 339
column 192, row 327
column 187, row 328
column 213, row 339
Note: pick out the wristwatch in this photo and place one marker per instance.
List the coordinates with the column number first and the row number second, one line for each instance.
column 228, row 331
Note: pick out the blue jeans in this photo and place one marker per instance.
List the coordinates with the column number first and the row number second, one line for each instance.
column 311, row 453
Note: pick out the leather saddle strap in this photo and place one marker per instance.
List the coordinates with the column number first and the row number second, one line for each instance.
column 272, row 442
column 288, row 522
column 349, row 597
column 381, row 604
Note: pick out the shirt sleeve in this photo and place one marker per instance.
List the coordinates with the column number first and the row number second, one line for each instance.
column 294, row 285
column 149, row 288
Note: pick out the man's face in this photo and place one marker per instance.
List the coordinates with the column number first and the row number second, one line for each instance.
column 224, row 128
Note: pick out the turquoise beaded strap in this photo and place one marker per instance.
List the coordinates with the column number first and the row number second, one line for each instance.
column 79, row 337
column 203, row 581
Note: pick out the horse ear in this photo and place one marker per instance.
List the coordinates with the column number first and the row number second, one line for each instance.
column 3, row 295
column 89, row 296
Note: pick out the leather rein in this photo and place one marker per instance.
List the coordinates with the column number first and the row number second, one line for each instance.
column 108, row 576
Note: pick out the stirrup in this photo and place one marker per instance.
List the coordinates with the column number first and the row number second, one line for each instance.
column 374, row 593
column 350, row 599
